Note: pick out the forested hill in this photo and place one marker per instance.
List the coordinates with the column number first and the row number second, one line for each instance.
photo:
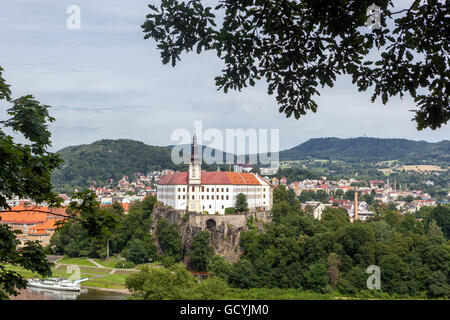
column 107, row 159
column 112, row 159
column 369, row 149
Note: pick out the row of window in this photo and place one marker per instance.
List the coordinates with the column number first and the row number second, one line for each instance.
column 167, row 196
column 207, row 197
column 236, row 190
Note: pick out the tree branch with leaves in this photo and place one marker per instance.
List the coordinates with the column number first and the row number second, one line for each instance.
column 25, row 171
column 300, row 47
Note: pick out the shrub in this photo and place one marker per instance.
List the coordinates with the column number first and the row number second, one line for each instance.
column 167, row 261
column 229, row 210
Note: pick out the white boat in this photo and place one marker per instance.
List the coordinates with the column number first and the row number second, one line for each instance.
column 56, row 284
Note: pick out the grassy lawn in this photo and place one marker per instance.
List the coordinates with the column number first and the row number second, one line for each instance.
column 126, row 272
column 56, row 273
column 95, row 270
column 23, row 272
column 116, row 281
column 113, row 278
column 97, row 284
column 108, row 263
column 77, row 261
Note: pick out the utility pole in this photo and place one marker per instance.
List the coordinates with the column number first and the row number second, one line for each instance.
column 107, row 249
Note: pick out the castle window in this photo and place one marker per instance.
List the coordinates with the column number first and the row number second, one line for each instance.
column 193, row 197
column 222, row 197
column 178, row 196
column 212, row 197
column 227, row 197
column 178, row 189
column 193, row 189
column 203, row 197
column 222, row 189
column 184, row 197
column 203, row 189
column 227, row 189
column 207, row 197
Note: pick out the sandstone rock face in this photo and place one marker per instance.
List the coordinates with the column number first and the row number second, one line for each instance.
column 225, row 229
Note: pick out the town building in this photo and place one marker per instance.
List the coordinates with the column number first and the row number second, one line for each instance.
column 34, row 222
column 212, row 192
column 242, row 167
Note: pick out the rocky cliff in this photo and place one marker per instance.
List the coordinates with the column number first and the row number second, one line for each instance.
column 225, row 229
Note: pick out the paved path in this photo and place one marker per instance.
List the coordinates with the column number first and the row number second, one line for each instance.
column 53, row 258
column 96, row 263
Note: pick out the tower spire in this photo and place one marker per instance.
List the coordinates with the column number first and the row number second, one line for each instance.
column 194, row 150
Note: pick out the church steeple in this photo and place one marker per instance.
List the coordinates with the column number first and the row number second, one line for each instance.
column 195, row 170
column 195, row 159
column 195, row 178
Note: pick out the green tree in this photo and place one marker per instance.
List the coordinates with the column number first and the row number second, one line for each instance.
column 26, row 172
column 169, row 239
column 311, row 45
column 148, row 203
column 438, row 286
column 220, row 267
column 242, row 274
column 354, row 237
column 140, row 251
column 201, row 252
column 317, row 277
column 241, row 203
column 393, row 272
column 174, row 283
column 435, row 233
column 441, row 214
column 353, row 281
column 213, row 288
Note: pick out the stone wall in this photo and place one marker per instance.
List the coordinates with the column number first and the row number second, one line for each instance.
column 225, row 229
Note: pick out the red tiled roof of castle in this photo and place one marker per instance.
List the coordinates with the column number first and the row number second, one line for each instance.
column 181, row 178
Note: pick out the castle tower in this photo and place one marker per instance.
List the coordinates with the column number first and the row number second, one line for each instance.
column 195, row 178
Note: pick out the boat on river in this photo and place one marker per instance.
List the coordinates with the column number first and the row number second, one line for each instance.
column 56, row 284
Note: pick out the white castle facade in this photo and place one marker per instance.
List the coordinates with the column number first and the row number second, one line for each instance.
column 212, row 192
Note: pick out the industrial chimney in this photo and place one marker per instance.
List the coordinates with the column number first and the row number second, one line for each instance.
column 355, row 210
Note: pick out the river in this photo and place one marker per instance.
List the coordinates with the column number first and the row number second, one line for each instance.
column 84, row 294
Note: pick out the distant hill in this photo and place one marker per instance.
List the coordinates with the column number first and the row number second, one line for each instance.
column 106, row 159
column 112, row 159
column 369, row 149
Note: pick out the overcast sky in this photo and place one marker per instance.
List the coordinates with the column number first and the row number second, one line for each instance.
column 106, row 81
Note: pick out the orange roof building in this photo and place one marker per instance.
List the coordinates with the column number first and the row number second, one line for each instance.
column 35, row 223
column 212, row 192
